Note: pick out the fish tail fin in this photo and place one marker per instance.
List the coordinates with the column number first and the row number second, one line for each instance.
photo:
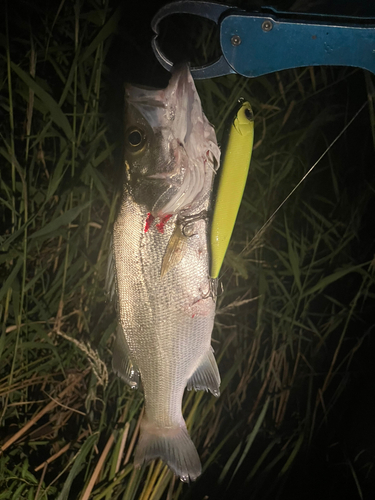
column 173, row 445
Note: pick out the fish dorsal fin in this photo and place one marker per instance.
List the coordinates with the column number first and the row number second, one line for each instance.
column 206, row 377
column 121, row 362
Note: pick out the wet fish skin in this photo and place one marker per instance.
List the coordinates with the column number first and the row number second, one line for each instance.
column 166, row 318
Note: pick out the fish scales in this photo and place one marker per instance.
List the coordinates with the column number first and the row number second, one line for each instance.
column 166, row 317
column 173, row 308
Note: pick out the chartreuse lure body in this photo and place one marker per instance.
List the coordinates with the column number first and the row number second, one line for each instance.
column 234, row 170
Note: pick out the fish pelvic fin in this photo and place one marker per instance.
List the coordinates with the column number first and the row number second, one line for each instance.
column 206, row 377
column 173, row 445
column 121, row 362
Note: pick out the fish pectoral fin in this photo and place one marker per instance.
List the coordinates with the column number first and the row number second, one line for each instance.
column 175, row 250
column 206, row 377
column 121, row 362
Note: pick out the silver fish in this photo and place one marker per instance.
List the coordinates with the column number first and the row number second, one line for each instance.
column 165, row 298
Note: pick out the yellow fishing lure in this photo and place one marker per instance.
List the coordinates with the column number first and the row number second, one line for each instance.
column 234, row 169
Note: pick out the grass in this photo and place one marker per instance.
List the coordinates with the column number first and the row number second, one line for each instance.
column 296, row 292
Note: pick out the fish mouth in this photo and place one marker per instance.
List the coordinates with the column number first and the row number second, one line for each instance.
column 160, row 106
column 147, row 101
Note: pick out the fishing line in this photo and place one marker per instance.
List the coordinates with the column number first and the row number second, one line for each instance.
column 270, row 219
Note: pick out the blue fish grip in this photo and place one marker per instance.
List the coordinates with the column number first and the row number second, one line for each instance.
column 254, row 45
column 257, row 43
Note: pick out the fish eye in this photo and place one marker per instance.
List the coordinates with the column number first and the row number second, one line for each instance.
column 135, row 139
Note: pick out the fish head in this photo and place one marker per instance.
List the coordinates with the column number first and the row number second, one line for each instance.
column 170, row 147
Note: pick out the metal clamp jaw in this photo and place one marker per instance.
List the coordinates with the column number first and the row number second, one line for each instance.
column 254, row 44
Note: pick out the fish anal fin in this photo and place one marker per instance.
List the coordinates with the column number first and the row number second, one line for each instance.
column 175, row 250
column 121, row 362
column 173, row 445
column 206, row 377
